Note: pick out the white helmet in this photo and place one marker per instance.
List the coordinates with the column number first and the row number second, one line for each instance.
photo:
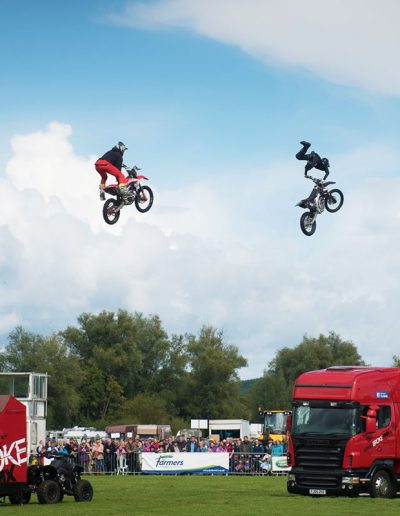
column 122, row 147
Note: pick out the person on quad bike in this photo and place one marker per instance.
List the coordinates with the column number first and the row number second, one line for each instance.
column 314, row 160
column 111, row 163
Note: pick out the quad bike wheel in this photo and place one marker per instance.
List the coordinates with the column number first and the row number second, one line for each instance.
column 83, row 491
column 49, row 491
column 20, row 498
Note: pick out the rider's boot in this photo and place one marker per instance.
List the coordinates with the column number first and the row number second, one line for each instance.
column 305, row 144
column 126, row 195
column 102, row 194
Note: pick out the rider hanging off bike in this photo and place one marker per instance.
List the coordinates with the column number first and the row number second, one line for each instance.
column 111, row 163
column 314, row 160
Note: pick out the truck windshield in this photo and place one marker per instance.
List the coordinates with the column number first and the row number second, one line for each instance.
column 275, row 423
column 324, row 420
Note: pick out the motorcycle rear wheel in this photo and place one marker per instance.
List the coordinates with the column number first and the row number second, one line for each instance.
column 306, row 226
column 109, row 214
column 334, row 201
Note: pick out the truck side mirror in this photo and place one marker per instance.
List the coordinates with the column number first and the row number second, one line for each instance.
column 370, row 424
column 289, row 423
column 370, row 420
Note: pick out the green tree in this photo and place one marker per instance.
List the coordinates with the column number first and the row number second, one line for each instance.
column 134, row 351
column 212, row 388
column 30, row 352
column 146, row 409
column 274, row 390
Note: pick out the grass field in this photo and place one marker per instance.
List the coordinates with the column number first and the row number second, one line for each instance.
column 202, row 495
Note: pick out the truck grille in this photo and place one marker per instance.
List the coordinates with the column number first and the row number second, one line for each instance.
column 318, row 461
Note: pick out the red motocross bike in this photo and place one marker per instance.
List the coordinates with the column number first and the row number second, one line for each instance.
column 142, row 196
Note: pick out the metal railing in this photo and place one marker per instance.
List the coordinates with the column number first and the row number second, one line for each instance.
column 131, row 463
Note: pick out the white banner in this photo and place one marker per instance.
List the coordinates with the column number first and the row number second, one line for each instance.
column 173, row 463
column 279, row 463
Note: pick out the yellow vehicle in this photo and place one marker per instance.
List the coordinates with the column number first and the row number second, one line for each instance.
column 274, row 424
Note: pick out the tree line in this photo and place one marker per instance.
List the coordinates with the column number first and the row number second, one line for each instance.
column 121, row 367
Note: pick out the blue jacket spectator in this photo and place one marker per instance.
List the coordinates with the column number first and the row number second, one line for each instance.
column 192, row 446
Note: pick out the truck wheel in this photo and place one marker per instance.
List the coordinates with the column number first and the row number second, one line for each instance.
column 20, row 498
column 49, row 492
column 382, row 485
column 83, row 491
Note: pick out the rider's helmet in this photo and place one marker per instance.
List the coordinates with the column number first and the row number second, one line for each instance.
column 325, row 162
column 121, row 147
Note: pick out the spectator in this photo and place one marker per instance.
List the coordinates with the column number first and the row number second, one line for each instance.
column 257, row 447
column 277, row 449
column 131, row 450
column 83, row 455
column 109, row 456
column 268, row 447
column 72, row 447
column 203, row 446
column 182, row 443
column 39, row 448
column 228, row 445
column 173, row 447
column 213, row 447
column 245, row 445
column 192, row 446
column 236, row 444
column 98, row 456
column 257, row 450
column 120, row 447
column 59, row 450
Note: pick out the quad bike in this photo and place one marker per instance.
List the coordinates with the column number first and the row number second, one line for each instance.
column 52, row 482
column 319, row 199
column 142, row 196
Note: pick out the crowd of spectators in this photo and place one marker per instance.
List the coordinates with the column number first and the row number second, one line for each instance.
column 123, row 455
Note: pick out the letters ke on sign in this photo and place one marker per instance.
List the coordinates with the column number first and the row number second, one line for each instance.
column 173, row 463
column 382, row 394
column 13, row 454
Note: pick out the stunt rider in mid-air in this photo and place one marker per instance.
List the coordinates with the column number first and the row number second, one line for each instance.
column 314, row 160
column 111, row 163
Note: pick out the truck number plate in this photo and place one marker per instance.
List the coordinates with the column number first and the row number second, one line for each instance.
column 318, row 491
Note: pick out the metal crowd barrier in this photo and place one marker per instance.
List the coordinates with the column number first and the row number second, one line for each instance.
column 131, row 463
column 111, row 464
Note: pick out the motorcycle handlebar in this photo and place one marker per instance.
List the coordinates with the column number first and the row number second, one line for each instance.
column 316, row 181
column 132, row 168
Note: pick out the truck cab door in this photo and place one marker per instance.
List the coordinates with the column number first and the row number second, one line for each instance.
column 382, row 442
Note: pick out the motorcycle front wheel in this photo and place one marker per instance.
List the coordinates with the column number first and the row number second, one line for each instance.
column 110, row 213
column 144, row 199
column 307, row 225
column 334, row 200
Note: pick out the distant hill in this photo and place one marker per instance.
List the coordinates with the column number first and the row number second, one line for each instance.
column 246, row 385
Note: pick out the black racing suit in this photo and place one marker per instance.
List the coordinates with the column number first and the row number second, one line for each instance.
column 113, row 156
column 314, row 160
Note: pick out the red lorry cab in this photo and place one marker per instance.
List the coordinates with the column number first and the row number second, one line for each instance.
column 13, row 446
column 345, row 432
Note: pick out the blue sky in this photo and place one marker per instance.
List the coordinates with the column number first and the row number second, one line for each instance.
column 212, row 101
column 170, row 94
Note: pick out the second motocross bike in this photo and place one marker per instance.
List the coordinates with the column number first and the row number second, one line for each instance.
column 142, row 196
column 319, row 199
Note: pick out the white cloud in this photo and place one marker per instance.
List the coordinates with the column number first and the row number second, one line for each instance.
column 351, row 42
column 225, row 253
